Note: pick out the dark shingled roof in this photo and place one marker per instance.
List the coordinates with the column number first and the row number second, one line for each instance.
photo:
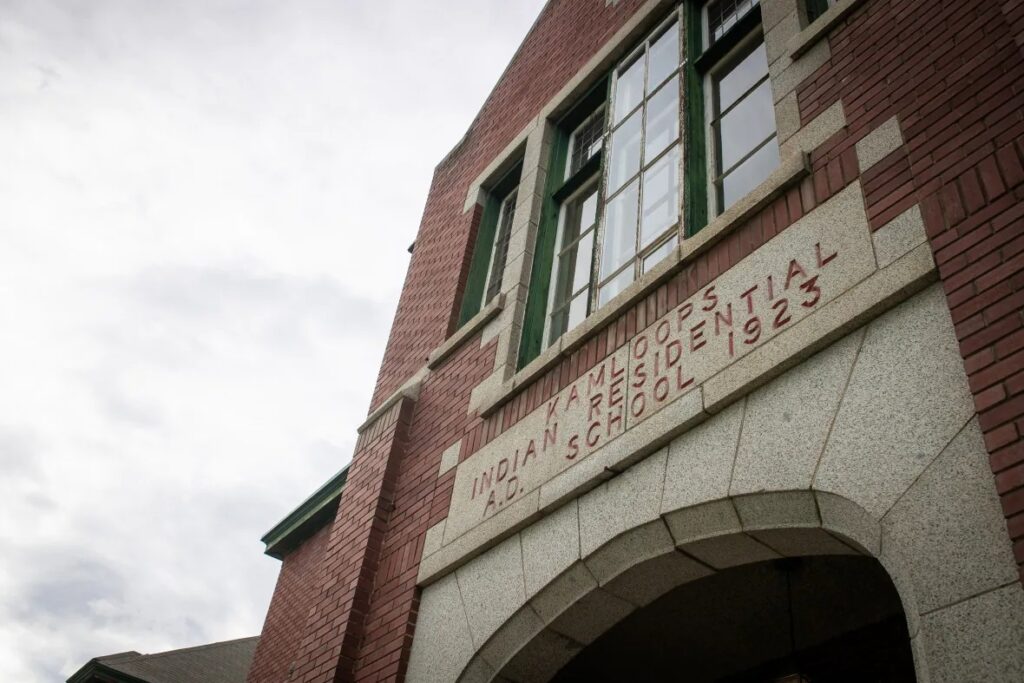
column 225, row 662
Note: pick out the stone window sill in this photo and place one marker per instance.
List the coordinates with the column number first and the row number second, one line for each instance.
column 820, row 27
column 464, row 333
column 792, row 169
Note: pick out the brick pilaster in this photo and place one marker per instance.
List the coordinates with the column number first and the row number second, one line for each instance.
column 334, row 629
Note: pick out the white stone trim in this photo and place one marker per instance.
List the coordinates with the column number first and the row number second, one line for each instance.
column 820, row 27
column 569, row 576
column 879, row 143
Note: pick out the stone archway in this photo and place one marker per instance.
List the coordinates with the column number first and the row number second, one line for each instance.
column 642, row 564
column 835, row 618
column 869, row 447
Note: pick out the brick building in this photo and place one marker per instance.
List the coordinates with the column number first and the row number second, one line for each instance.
column 709, row 364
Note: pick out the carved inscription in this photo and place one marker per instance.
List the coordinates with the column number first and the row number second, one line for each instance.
column 720, row 323
column 599, row 397
column 766, row 294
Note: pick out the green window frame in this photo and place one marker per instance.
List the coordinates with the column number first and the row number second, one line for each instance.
column 703, row 48
column 490, row 250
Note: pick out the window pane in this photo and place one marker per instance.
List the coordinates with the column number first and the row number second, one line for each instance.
column 620, row 229
column 724, row 13
column 624, row 152
column 661, row 197
column 577, row 310
column 586, row 141
column 747, row 125
column 614, row 286
column 574, row 262
column 655, row 257
column 663, row 57
column 750, row 173
column 588, row 214
column 574, row 268
column 558, row 321
column 662, row 120
column 629, row 89
column 508, row 209
column 584, row 252
column 742, row 77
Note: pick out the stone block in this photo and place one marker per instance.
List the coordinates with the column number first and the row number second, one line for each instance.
column 630, row 549
column 899, row 236
column 690, row 524
column 634, row 445
column 520, row 629
column 649, row 580
column 541, row 658
column 492, row 588
column 783, row 510
column 898, row 569
column 550, row 546
column 591, row 616
column 486, row 392
column 478, row 671
column 802, row 542
column 622, row 503
column 461, row 549
column 443, row 643
column 787, row 421
column 816, row 131
column 787, row 74
column 450, row 457
column 700, row 462
column 910, row 358
column 557, row 436
column 732, row 550
column 776, row 39
column 879, row 143
column 849, row 520
column 787, row 117
column 978, row 639
column 949, row 526
column 838, row 260
column 517, row 271
column 774, row 11
column 879, row 292
column 563, row 591
column 432, row 540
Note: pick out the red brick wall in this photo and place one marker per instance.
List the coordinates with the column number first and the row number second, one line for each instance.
column 951, row 72
column 334, row 628
column 294, row 595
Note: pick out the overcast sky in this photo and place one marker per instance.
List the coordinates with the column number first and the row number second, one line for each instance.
column 204, row 213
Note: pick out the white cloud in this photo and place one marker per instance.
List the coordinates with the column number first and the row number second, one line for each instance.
column 204, row 210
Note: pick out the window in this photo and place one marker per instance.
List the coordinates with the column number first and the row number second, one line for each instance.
column 577, row 228
column 499, row 253
column 745, row 149
column 682, row 127
column 815, row 8
column 640, row 224
column 490, row 252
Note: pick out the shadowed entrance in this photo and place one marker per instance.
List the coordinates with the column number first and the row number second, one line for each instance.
column 826, row 618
